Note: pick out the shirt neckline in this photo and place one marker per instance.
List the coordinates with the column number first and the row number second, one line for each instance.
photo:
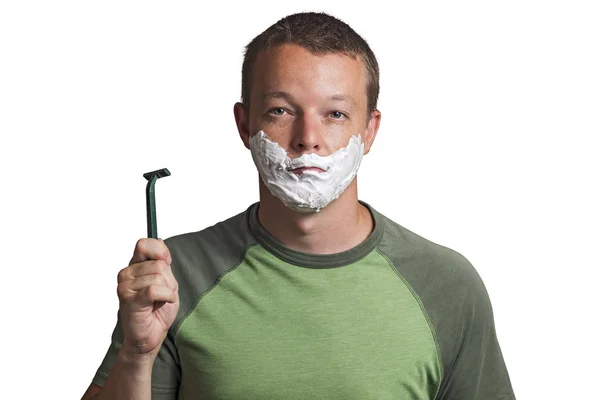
column 310, row 260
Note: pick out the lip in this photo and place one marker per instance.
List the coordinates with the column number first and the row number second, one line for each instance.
column 300, row 171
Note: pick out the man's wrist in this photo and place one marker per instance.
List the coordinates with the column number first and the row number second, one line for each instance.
column 135, row 362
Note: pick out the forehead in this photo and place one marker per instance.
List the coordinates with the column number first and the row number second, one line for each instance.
column 296, row 70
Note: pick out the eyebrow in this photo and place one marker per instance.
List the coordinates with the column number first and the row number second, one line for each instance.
column 276, row 95
column 344, row 98
column 288, row 96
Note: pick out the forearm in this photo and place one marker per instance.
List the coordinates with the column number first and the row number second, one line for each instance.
column 130, row 379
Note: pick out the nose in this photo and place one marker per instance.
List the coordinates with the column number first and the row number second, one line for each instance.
column 307, row 137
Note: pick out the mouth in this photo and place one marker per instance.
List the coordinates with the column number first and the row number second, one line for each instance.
column 301, row 170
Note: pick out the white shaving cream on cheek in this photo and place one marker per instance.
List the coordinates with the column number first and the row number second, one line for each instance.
column 311, row 190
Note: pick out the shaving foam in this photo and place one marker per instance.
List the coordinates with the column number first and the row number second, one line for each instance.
column 312, row 190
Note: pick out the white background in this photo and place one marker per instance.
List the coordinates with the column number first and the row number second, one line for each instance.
column 488, row 145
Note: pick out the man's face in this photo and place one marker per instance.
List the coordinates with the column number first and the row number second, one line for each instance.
column 308, row 103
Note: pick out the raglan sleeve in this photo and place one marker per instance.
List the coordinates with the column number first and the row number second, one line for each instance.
column 476, row 369
column 166, row 372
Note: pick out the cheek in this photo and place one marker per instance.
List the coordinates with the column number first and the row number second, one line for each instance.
column 279, row 130
column 274, row 135
column 339, row 138
column 279, row 126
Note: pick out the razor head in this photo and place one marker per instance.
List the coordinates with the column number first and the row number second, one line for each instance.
column 160, row 173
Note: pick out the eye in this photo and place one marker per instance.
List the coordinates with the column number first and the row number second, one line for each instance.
column 337, row 114
column 277, row 111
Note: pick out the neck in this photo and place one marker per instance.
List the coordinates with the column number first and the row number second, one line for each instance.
column 342, row 225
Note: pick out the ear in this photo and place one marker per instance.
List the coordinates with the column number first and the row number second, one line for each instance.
column 242, row 118
column 371, row 131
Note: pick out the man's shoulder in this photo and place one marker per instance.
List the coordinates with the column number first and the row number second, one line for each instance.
column 421, row 259
column 446, row 282
column 232, row 232
column 201, row 258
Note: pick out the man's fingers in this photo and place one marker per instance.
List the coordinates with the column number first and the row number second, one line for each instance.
column 147, row 280
column 149, row 267
column 150, row 249
column 153, row 267
column 154, row 293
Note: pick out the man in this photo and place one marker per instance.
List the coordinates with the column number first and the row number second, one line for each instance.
column 308, row 293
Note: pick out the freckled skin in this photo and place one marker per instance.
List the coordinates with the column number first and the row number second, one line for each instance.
column 307, row 119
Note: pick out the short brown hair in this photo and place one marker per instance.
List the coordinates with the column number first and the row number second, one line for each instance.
column 319, row 33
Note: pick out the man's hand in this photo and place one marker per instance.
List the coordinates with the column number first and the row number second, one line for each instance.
column 148, row 298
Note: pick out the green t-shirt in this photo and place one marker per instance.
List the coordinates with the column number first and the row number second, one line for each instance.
column 396, row 317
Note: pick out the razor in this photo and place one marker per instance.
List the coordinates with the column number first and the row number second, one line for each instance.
column 152, row 177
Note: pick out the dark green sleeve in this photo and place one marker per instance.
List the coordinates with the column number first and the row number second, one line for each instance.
column 475, row 368
column 166, row 372
column 455, row 300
